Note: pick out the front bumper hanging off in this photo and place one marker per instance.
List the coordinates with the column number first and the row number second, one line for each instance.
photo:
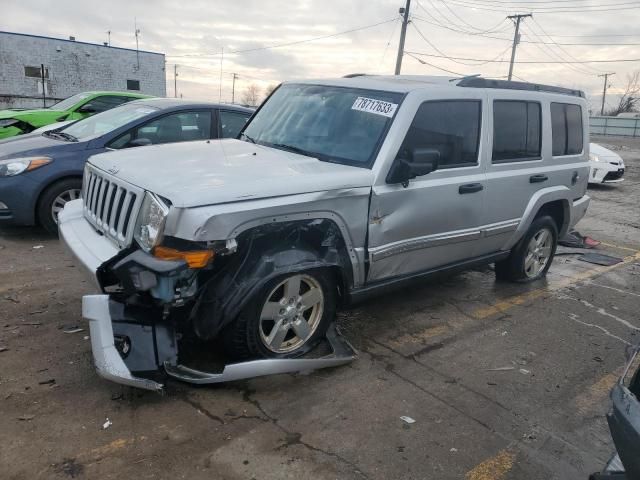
column 152, row 348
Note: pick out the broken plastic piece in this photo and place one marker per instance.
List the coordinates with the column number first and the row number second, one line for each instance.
column 107, row 424
column 342, row 353
column 408, row 420
column 600, row 259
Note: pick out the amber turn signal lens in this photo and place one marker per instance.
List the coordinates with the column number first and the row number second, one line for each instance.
column 194, row 258
column 38, row 162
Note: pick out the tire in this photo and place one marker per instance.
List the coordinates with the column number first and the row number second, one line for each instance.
column 532, row 256
column 252, row 334
column 53, row 199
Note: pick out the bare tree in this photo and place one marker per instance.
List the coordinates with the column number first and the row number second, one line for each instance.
column 269, row 89
column 630, row 98
column 251, row 95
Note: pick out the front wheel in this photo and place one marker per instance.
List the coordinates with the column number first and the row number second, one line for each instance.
column 286, row 318
column 53, row 200
column 531, row 258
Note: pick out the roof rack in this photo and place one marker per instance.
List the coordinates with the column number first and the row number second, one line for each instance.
column 352, row 75
column 477, row 82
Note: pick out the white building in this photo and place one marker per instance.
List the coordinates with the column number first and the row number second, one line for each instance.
column 71, row 67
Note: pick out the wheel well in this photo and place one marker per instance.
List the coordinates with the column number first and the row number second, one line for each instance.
column 47, row 187
column 557, row 210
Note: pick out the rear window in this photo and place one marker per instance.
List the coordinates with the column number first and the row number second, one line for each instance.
column 566, row 128
column 516, row 131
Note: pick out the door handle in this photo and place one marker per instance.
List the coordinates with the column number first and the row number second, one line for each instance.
column 470, row 188
column 538, row 178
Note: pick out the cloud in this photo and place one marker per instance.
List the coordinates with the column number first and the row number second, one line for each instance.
column 193, row 33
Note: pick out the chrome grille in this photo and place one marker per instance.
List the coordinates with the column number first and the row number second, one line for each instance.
column 110, row 204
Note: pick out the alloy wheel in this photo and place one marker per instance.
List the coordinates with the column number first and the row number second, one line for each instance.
column 538, row 253
column 60, row 201
column 291, row 313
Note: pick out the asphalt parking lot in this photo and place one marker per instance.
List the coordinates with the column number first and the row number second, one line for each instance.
column 503, row 381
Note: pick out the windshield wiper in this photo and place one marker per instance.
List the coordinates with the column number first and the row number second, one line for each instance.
column 67, row 136
column 294, row 149
column 248, row 137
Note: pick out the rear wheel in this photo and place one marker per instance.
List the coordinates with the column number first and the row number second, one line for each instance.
column 531, row 258
column 286, row 318
column 53, row 200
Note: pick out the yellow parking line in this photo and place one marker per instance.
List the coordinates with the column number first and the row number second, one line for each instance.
column 493, row 468
column 619, row 247
column 509, row 302
column 594, row 396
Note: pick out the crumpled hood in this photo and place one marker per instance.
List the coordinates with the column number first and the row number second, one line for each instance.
column 40, row 114
column 220, row 171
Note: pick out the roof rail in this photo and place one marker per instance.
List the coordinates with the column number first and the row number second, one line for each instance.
column 477, row 82
column 352, row 75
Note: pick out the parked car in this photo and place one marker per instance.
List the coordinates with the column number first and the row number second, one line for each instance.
column 17, row 122
column 39, row 174
column 605, row 166
column 624, row 423
column 337, row 190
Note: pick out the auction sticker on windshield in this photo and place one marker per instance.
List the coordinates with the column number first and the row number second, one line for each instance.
column 371, row 105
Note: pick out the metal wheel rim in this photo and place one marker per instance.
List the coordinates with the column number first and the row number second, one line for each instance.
column 60, row 201
column 538, row 253
column 291, row 313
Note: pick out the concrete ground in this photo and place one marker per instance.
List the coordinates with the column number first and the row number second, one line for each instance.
column 503, row 381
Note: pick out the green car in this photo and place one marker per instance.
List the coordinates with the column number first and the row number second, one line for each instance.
column 82, row 105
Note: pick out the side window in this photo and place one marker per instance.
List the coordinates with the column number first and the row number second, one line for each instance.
column 566, row 127
column 516, row 130
column 231, row 123
column 175, row 127
column 452, row 127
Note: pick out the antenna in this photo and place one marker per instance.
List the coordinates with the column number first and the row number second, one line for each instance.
column 109, row 38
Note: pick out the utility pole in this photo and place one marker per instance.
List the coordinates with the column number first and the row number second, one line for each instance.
column 604, row 90
column 220, row 87
column 44, row 89
column 516, row 40
column 403, row 33
column 175, row 81
column 233, row 88
column 137, row 32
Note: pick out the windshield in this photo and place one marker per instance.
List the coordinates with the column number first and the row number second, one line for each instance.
column 67, row 103
column 335, row 124
column 107, row 121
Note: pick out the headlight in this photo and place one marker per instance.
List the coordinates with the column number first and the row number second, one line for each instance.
column 15, row 166
column 150, row 222
column 8, row 122
column 593, row 157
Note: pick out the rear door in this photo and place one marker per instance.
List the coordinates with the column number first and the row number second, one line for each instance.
column 532, row 152
column 434, row 219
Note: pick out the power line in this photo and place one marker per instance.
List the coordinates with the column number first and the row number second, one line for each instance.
column 543, row 10
column 287, row 44
column 434, row 66
column 618, row 60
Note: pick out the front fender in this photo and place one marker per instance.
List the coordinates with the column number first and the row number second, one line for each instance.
column 224, row 298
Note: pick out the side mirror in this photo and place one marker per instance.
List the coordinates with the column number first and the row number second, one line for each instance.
column 140, row 142
column 87, row 108
column 423, row 161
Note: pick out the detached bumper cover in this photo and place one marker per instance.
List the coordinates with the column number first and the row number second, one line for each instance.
column 109, row 364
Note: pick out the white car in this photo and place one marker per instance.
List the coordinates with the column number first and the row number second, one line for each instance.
column 605, row 166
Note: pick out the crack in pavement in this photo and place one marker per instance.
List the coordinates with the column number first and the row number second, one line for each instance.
column 295, row 438
column 198, row 406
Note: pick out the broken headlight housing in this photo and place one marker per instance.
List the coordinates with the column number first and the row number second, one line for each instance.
column 593, row 157
column 150, row 222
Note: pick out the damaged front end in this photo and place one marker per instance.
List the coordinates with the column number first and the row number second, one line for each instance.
column 153, row 299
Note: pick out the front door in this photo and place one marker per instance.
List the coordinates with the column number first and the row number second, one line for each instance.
column 435, row 219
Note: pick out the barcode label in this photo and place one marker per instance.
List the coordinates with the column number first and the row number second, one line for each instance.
column 371, row 105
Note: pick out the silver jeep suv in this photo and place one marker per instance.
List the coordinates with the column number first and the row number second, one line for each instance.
column 336, row 190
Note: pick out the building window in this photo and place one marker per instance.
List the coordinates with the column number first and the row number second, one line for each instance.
column 516, row 131
column 133, row 84
column 35, row 72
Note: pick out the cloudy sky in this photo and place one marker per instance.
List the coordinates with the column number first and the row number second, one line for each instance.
column 194, row 33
